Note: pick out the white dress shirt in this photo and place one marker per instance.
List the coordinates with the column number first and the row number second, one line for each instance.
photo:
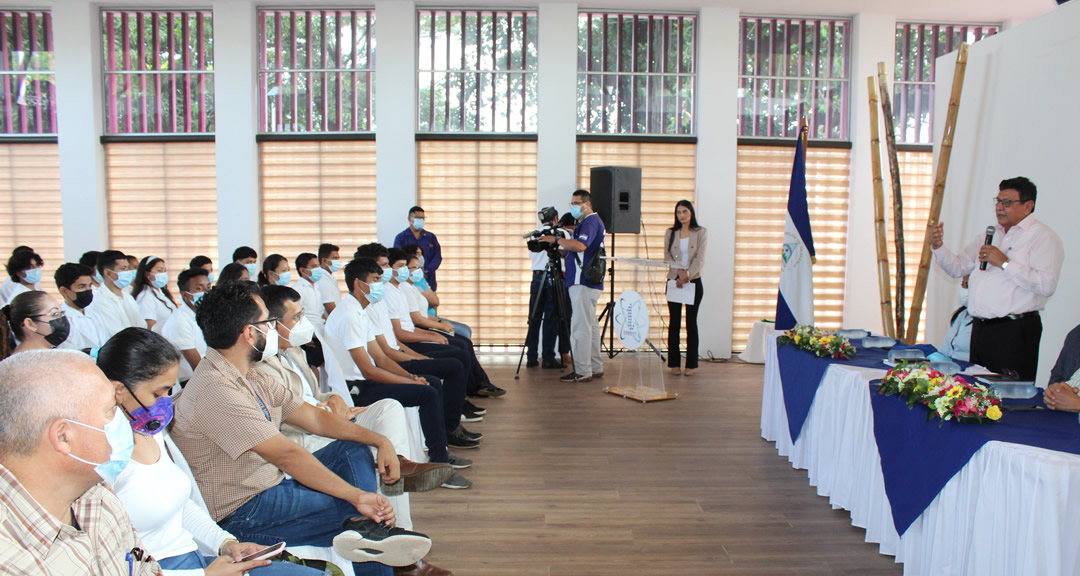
column 329, row 290
column 348, row 328
column 85, row 332
column 155, row 305
column 1035, row 256
column 114, row 313
column 311, row 301
column 183, row 331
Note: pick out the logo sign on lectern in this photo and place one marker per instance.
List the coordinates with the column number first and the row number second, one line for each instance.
column 631, row 320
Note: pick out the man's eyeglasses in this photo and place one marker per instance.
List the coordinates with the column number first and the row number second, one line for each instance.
column 271, row 323
column 1005, row 202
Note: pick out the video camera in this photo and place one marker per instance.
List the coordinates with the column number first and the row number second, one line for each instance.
column 549, row 218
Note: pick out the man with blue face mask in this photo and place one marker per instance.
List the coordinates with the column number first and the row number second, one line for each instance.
column 180, row 329
column 59, row 517
column 429, row 244
column 329, row 291
column 24, row 273
column 112, row 308
column 248, row 258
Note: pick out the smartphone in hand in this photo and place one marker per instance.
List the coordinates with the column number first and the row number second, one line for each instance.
column 268, row 552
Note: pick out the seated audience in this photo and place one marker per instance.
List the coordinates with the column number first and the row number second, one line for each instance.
column 430, row 296
column 151, row 291
column 58, row 517
column 181, row 329
column 89, row 259
column 205, row 263
column 76, row 286
column 958, row 339
column 1062, row 392
column 169, row 516
column 24, row 273
column 36, row 320
column 248, row 258
column 113, row 309
column 227, row 425
column 235, row 273
column 329, row 291
column 308, row 275
column 275, row 271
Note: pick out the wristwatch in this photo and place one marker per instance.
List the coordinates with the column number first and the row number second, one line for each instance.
column 1004, row 265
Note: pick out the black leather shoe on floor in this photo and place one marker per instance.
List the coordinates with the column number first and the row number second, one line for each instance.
column 552, row 365
column 459, row 440
column 532, row 363
column 469, row 435
column 364, row 540
column 490, row 391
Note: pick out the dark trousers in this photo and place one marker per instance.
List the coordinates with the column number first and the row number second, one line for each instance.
column 1002, row 344
column 452, row 374
column 675, row 310
column 427, row 398
column 460, row 348
column 544, row 324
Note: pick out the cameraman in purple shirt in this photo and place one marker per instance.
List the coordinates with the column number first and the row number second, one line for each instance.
column 587, row 240
column 429, row 245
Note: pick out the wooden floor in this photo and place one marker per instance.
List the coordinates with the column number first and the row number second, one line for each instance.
column 572, row 481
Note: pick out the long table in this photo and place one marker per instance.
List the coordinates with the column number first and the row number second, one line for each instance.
column 1012, row 510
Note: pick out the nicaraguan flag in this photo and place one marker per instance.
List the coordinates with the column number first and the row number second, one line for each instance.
column 795, row 300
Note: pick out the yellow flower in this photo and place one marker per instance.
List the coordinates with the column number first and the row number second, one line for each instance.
column 993, row 413
column 954, row 392
column 797, row 338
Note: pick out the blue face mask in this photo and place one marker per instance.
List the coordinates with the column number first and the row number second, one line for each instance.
column 422, row 284
column 161, row 279
column 196, row 298
column 387, row 274
column 284, row 278
column 210, row 277
column 575, row 211
column 375, row 292
column 252, row 271
column 124, row 279
column 418, row 223
column 335, row 265
column 416, row 276
column 316, row 274
column 32, row 276
column 98, row 278
column 402, row 274
column 122, row 442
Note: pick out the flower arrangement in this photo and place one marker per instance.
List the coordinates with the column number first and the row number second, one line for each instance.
column 819, row 342
column 946, row 397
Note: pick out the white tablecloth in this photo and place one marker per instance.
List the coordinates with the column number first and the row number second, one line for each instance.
column 755, row 343
column 1012, row 510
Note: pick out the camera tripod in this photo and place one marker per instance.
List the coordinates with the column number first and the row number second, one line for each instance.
column 553, row 274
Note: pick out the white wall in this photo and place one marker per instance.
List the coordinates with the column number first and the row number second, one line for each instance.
column 395, row 117
column 1016, row 118
column 556, row 148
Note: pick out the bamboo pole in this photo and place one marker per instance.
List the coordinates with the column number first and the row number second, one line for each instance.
column 944, row 154
column 898, row 197
column 884, row 288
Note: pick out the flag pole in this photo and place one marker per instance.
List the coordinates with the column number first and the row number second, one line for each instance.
column 884, row 288
column 898, row 198
column 805, row 152
column 944, row 154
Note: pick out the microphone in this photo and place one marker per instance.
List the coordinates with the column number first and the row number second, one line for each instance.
column 989, row 240
column 531, row 234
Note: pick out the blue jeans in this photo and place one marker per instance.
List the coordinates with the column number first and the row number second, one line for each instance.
column 193, row 561
column 298, row 515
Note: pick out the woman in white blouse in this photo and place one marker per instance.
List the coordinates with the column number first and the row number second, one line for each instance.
column 164, row 506
column 685, row 244
column 151, row 291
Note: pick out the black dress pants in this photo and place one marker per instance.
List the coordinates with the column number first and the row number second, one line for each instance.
column 1006, row 344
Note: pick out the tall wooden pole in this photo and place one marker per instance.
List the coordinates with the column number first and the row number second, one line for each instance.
column 944, row 154
column 884, row 288
column 898, row 197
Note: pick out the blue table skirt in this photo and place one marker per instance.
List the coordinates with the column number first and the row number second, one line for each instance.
column 918, row 458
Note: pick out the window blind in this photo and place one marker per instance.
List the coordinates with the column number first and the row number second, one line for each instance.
column 315, row 192
column 763, row 177
column 479, row 197
column 162, row 201
column 917, row 185
column 30, row 196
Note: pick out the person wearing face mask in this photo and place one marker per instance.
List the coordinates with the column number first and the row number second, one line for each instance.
column 112, row 308
column 275, row 271
column 385, row 417
column 151, row 291
column 308, row 274
column 958, row 340
column 89, row 259
column 75, row 285
column 170, row 517
column 329, row 291
column 36, row 320
column 24, row 273
column 205, row 263
column 58, row 516
column 429, row 244
column 181, row 329
column 234, row 273
column 227, row 425
column 248, row 258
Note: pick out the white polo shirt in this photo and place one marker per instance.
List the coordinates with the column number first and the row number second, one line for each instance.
column 84, row 334
column 311, row 301
column 183, row 331
column 114, row 313
column 417, row 302
column 155, row 305
column 380, row 320
column 329, row 290
column 398, row 305
column 349, row 328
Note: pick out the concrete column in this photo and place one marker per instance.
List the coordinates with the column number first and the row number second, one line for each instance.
column 556, row 154
column 395, row 119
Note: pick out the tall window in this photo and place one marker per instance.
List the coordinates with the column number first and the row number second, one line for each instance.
column 316, row 70
column 918, row 47
column 477, row 71
column 793, row 68
column 762, row 181
column 636, row 73
column 159, row 71
column 26, row 67
column 30, row 196
column 479, row 197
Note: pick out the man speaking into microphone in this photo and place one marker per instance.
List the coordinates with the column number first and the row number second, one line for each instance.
column 1014, row 269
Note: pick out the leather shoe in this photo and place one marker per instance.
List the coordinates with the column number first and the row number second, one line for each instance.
column 421, row 568
column 551, row 364
column 418, row 477
column 531, row 363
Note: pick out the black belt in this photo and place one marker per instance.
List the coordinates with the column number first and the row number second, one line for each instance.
column 539, row 272
column 1009, row 318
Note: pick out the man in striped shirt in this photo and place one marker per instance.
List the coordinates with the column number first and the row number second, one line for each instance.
column 56, row 516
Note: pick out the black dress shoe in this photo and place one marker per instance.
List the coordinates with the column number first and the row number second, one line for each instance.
column 532, row 363
column 552, row 365
column 490, row 391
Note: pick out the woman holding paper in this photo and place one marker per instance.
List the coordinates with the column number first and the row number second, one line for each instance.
column 685, row 245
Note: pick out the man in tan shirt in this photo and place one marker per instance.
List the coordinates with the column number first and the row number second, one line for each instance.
column 227, row 424
column 56, row 515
